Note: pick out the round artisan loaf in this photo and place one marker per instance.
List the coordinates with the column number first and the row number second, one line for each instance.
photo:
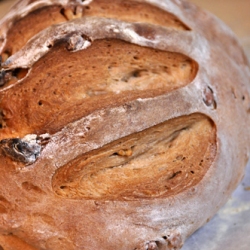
column 123, row 125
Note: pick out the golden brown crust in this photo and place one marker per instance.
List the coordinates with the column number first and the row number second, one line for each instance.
column 25, row 28
column 130, row 11
column 136, row 72
column 117, row 124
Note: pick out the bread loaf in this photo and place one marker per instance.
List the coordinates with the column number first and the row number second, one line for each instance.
column 123, row 124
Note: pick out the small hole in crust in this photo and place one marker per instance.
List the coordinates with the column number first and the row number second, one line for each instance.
column 70, row 13
column 40, row 103
column 158, row 244
column 62, row 12
column 20, row 73
column 175, row 174
column 214, row 105
column 75, row 11
column 5, row 55
column 10, row 77
column 28, row 186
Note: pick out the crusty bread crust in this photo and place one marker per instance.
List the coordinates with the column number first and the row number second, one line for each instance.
column 120, row 124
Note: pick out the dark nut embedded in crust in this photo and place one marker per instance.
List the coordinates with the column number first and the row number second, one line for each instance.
column 24, row 150
column 209, row 98
column 78, row 42
column 4, row 77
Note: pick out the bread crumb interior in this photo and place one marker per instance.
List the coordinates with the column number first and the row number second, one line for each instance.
column 158, row 162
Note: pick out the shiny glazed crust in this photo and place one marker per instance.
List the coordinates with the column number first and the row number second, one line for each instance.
column 120, row 124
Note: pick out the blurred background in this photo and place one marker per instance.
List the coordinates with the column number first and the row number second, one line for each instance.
column 235, row 13
column 230, row 227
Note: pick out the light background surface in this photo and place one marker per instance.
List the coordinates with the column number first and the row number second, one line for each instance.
column 235, row 13
column 230, row 227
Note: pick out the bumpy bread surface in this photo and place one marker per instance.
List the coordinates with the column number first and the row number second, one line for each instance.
column 121, row 125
